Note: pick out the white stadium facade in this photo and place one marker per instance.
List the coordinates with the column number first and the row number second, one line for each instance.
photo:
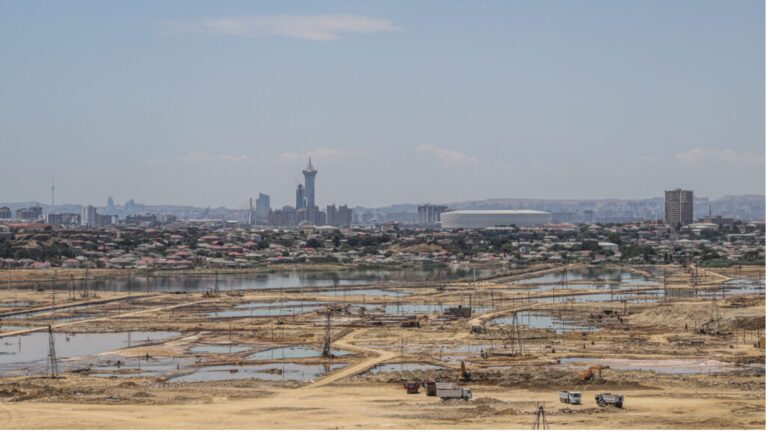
column 477, row 219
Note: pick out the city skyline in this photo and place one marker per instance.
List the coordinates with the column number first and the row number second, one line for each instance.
column 208, row 106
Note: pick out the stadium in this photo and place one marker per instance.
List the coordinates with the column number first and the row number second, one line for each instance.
column 475, row 219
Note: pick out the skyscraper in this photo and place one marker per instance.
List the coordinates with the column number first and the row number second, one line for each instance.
column 262, row 207
column 309, row 184
column 300, row 197
column 678, row 207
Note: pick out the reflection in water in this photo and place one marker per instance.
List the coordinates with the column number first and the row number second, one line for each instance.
column 285, row 279
column 292, row 352
column 30, row 351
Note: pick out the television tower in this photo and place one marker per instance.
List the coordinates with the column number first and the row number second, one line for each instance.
column 53, row 189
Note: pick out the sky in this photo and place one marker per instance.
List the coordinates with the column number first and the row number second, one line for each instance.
column 208, row 103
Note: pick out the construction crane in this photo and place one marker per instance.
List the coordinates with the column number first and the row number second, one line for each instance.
column 589, row 374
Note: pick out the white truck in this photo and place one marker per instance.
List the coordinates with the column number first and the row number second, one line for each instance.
column 604, row 399
column 449, row 390
column 569, row 397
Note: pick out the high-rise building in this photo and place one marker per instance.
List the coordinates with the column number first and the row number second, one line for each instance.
column 262, row 207
column 300, row 200
column 309, row 184
column 62, row 219
column 111, row 209
column 5, row 212
column 30, row 213
column 88, row 216
column 678, row 207
column 429, row 214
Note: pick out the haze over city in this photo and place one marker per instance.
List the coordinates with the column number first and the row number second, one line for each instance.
column 209, row 103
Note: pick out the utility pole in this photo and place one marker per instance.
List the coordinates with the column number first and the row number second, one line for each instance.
column 327, row 338
column 540, row 421
column 54, row 366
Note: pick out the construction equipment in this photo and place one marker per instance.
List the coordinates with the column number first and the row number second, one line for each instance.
column 412, row 387
column 569, row 397
column 431, row 388
column 466, row 376
column 589, row 374
column 605, row 399
column 450, row 390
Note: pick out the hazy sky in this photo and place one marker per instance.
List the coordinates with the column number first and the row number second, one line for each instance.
column 210, row 102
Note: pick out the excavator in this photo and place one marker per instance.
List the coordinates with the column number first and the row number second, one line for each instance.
column 466, row 376
column 589, row 374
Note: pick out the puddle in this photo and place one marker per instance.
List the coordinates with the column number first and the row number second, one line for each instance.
column 412, row 309
column 30, row 351
column 140, row 282
column 278, row 304
column 682, row 366
column 402, row 367
column 219, row 349
column 539, row 320
column 17, row 303
column 367, row 292
column 649, row 296
column 132, row 368
column 268, row 372
column 293, row 352
column 268, row 311
column 590, row 274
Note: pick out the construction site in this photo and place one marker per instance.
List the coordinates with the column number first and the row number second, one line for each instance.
column 564, row 347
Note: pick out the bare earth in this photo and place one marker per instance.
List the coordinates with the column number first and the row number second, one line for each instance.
column 507, row 387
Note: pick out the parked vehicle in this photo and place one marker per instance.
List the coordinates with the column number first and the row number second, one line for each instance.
column 604, row 399
column 569, row 397
column 431, row 388
column 412, row 387
column 447, row 391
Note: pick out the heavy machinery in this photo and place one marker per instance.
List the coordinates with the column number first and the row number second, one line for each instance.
column 447, row 391
column 431, row 388
column 465, row 374
column 605, row 399
column 569, row 397
column 589, row 374
column 412, row 387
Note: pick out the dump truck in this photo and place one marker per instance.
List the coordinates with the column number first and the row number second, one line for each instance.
column 431, row 388
column 605, row 399
column 447, row 391
column 569, row 397
column 412, row 387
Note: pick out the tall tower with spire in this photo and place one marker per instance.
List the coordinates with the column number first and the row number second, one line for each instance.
column 309, row 185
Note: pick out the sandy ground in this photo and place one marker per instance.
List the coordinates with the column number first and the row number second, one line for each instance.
column 387, row 406
column 349, row 398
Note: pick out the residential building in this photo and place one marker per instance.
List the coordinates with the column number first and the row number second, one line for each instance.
column 30, row 213
column 678, row 207
column 88, row 216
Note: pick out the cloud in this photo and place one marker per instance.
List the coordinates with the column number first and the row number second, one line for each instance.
column 323, row 154
column 447, row 157
column 307, row 27
column 699, row 155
